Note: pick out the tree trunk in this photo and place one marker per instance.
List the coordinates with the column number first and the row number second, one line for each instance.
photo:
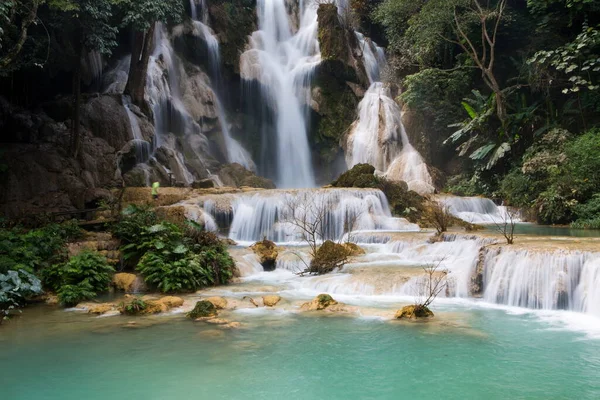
column 140, row 56
column 12, row 53
column 76, row 118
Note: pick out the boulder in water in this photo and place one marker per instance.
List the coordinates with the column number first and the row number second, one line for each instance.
column 100, row 309
column 353, row 249
column 203, row 309
column 219, row 302
column 271, row 300
column 359, row 171
column 414, row 311
column 321, row 302
column 267, row 253
column 329, row 257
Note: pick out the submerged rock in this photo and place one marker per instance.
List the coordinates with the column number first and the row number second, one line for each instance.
column 219, row 302
column 321, row 302
column 267, row 253
column 271, row 300
column 414, row 311
column 202, row 309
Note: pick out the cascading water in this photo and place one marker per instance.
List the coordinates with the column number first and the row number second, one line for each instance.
column 476, row 210
column 276, row 214
column 283, row 62
column 378, row 132
column 234, row 150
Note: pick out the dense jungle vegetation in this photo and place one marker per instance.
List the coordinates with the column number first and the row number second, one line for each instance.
column 511, row 88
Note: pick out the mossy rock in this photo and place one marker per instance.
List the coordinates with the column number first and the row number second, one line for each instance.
column 331, row 33
column 329, row 257
column 353, row 249
column 235, row 175
column 348, row 178
column 203, row 309
column 415, row 311
column 267, row 253
column 321, row 302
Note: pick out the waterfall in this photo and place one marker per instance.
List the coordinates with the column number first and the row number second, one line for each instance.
column 276, row 214
column 377, row 134
column 234, row 150
column 142, row 146
column 475, row 210
column 543, row 280
column 283, row 62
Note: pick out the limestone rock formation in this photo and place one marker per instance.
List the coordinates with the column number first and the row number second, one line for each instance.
column 413, row 312
column 267, row 253
column 124, row 281
column 321, row 302
column 203, row 309
column 235, row 175
column 271, row 300
column 219, row 302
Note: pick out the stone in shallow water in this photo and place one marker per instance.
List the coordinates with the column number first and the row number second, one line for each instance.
column 219, row 302
column 203, row 308
column 413, row 312
column 271, row 300
column 321, row 302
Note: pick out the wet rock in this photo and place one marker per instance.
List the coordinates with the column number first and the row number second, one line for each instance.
column 271, row 300
column 321, row 302
column 353, row 249
column 51, row 299
column 203, row 308
column 219, row 302
column 235, row 175
column 413, row 311
column 267, row 253
column 101, row 308
column 329, row 256
column 124, row 281
column 203, row 184
column 217, row 321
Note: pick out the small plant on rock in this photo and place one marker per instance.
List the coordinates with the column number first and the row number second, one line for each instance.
column 134, row 307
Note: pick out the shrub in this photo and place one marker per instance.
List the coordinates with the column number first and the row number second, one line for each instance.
column 203, row 309
column 81, row 278
column 72, row 294
column 584, row 163
column 35, row 249
column 134, row 220
column 438, row 215
column 16, row 287
column 134, row 307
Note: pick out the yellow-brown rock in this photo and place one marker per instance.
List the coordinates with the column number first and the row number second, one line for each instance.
column 267, row 253
column 353, row 249
column 321, row 302
column 171, row 301
column 219, row 302
column 271, row 300
column 413, row 311
column 124, row 281
column 102, row 308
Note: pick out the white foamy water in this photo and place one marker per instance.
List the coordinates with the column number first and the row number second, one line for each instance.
column 283, row 60
column 477, row 210
column 275, row 214
column 378, row 136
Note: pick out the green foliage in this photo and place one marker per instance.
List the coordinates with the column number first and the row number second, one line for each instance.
column 134, row 307
column 433, row 92
column 465, row 185
column 16, row 287
column 203, row 309
column 584, row 163
column 81, row 278
column 141, row 14
column 576, row 61
column 35, row 249
column 329, row 257
column 170, row 259
column 72, row 294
